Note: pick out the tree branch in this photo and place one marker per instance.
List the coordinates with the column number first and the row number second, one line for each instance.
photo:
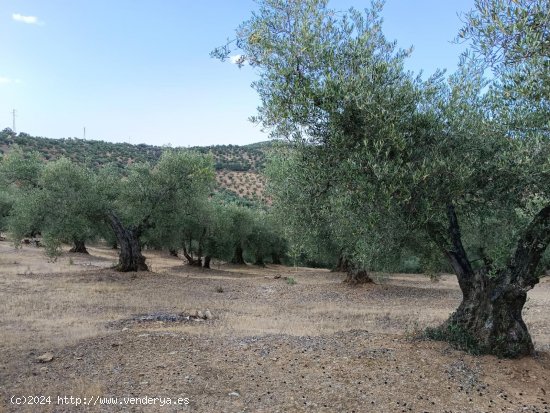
column 453, row 251
column 529, row 251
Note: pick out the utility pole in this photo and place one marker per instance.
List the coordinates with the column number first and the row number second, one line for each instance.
column 14, row 114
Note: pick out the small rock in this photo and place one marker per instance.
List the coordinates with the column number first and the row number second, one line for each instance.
column 234, row 394
column 116, row 344
column 44, row 369
column 200, row 314
column 45, row 358
column 208, row 315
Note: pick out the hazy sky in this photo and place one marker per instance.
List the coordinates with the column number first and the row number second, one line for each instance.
column 139, row 71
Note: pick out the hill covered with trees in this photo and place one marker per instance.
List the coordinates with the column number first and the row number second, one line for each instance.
column 239, row 169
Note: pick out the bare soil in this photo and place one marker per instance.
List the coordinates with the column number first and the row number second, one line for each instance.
column 271, row 346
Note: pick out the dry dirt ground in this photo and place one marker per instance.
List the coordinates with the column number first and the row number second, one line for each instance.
column 315, row 346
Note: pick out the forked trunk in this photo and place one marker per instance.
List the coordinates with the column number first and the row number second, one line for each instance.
column 489, row 318
column 238, row 255
column 130, row 257
column 190, row 260
column 79, row 246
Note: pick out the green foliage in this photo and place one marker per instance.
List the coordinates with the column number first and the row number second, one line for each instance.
column 290, row 281
column 228, row 197
column 411, row 265
column 121, row 157
column 380, row 155
column 61, row 203
column 456, row 336
column 161, row 193
column 66, row 202
column 6, row 204
column 20, row 168
column 512, row 37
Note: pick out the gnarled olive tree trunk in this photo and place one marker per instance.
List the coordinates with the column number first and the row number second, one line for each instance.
column 343, row 264
column 190, row 260
column 238, row 257
column 489, row 316
column 79, row 246
column 358, row 276
column 130, row 257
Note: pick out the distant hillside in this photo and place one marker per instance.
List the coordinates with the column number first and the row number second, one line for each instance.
column 238, row 168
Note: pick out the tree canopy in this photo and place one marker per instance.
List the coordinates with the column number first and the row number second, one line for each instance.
column 409, row 158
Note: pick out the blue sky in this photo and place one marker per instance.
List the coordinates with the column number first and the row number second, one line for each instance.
column 139, row 71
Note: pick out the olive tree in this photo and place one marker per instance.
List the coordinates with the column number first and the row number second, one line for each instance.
column 67, row 202
column 315, row 213
column 416, row 158
column 47, row 199
column 60, row 206
column 152, row 196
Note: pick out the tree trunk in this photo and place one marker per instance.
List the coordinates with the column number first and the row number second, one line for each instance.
column 358, row 277
column 130, row 257
column 79, row 246
column 207, row 260
column 173, row 252
column 489, row 319
column 275, row 259
column 259, row 260
column 238, row 256
column 343, row 264
column 190, row 260
column 199, row 250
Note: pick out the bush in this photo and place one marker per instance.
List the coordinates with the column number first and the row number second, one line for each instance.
column 411, row 265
